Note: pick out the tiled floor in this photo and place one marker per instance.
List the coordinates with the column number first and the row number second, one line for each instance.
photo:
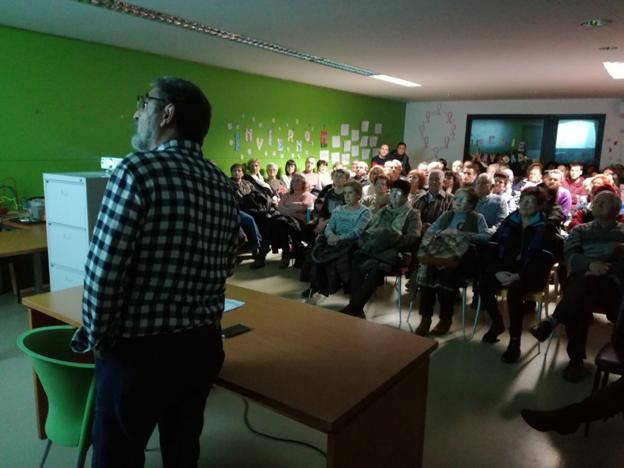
column 472, row 415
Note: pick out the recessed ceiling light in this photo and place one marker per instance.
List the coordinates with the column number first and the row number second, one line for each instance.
column 596, row 22
column 615, row 69
column 398, row 81
column 609, row 47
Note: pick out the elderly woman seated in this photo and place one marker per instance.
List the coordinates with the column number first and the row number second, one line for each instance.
column 331, row 267
column 519, row 258
column 440, row 255
column 380, row 198
column 393, row 231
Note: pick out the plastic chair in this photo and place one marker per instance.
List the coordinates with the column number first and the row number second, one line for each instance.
column 69, row 384
column 607, row 362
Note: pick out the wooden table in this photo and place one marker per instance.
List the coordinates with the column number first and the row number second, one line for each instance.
column 25, row 240
column 363, row 384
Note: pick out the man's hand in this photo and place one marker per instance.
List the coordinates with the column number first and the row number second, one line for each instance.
column 506, row 278
column 332, row 239
column 598, row 268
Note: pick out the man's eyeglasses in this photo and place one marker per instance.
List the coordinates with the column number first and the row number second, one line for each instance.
column 143, row 99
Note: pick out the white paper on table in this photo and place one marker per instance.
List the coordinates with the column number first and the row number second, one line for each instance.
column 373, row 141
column 355, row 135
column 364, row 142
column 346, row 157
column 378, row 128
column 324, row 155
column 347, row 145
column 344, row 129
column 335, row 142
column 364, row 126
column 355, row 150
column 335, row 157
column 231, row 304
column 366, row 153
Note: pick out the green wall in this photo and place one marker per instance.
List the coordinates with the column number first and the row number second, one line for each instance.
column 66, row 103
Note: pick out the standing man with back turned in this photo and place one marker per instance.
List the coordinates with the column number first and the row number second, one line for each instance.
column 162, row 248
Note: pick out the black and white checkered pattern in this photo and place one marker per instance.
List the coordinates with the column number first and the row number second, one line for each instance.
column 162, row 248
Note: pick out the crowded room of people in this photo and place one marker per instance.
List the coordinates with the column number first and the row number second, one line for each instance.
column 242, row 235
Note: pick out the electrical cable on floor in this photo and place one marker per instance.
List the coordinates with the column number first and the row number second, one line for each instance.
column 279, row 439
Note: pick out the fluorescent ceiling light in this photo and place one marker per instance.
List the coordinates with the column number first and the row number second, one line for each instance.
column 399, row 81
column 615, row 69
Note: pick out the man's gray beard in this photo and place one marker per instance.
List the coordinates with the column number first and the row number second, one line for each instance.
column 138, row 143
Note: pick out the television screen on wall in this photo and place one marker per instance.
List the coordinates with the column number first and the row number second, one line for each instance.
column 545, row 138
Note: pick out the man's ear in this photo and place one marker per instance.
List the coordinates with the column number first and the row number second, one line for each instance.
column 167, row 115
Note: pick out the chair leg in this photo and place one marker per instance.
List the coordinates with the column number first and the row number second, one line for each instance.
column 46, row 450
column 476, row 319
column 399, row 287
column 463, row 310
column 538, row 317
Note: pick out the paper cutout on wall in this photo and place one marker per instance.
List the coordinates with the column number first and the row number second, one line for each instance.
column 344, row 130
column 299, row 146
column 345, row 159
column 231, row 142
column 355, row 150
column 324, row 155
column 364, row 126
column 260, row 125
column 335, row 142
column 249, row 151
column 335, row 157
column 253, row 119
column 229, row 125
column 365, row 154
column 324, row 138
column 259, row 142
column 373, row 141
column 273, row 120
column 237, row 142
column 280, row 144
column 248, row 135
column 364, row 142
column 378, row 128
column 306, row 136
column 270, row 142
column 355, row 135
column 291, row 134
column 347, row 145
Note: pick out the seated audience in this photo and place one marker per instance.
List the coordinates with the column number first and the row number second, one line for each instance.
column 253, row 175
column 400, row 155
column 277, row 185
column 602, row 404
column 333, row 197
column 393, row 170
column 590, row 251
column 290, row 168
column 552, row 180
column 533, row 177
column 441, row 276
column 435, row 201
column 361, row 173
column 323, row 173
column 469, row 174
column 519, row 258
column 502, row 188
column 287, row 226
column 311, row 177
column 417, row 182
column 374, row 172
column 452, row 182
column 491, row 206
column 382, row 157
column 585, row 215
column 331, row 267
column 574, row 183
column 457, row 166
column 392, row 232
column 380, row 198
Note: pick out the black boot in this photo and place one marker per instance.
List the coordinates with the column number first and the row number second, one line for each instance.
column 512, row 353
column 497, row 327
column 425, row 325
column 564, row 420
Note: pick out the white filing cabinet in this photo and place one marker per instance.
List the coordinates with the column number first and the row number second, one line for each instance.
column 72, row 202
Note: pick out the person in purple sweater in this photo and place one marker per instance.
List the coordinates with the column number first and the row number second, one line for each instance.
column 553, row 179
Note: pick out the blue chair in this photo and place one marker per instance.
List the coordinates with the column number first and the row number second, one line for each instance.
column 68, row 380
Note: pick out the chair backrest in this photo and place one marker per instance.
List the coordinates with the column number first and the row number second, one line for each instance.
column 68, row 380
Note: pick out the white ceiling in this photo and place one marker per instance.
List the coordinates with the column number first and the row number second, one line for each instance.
column 484, row 49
